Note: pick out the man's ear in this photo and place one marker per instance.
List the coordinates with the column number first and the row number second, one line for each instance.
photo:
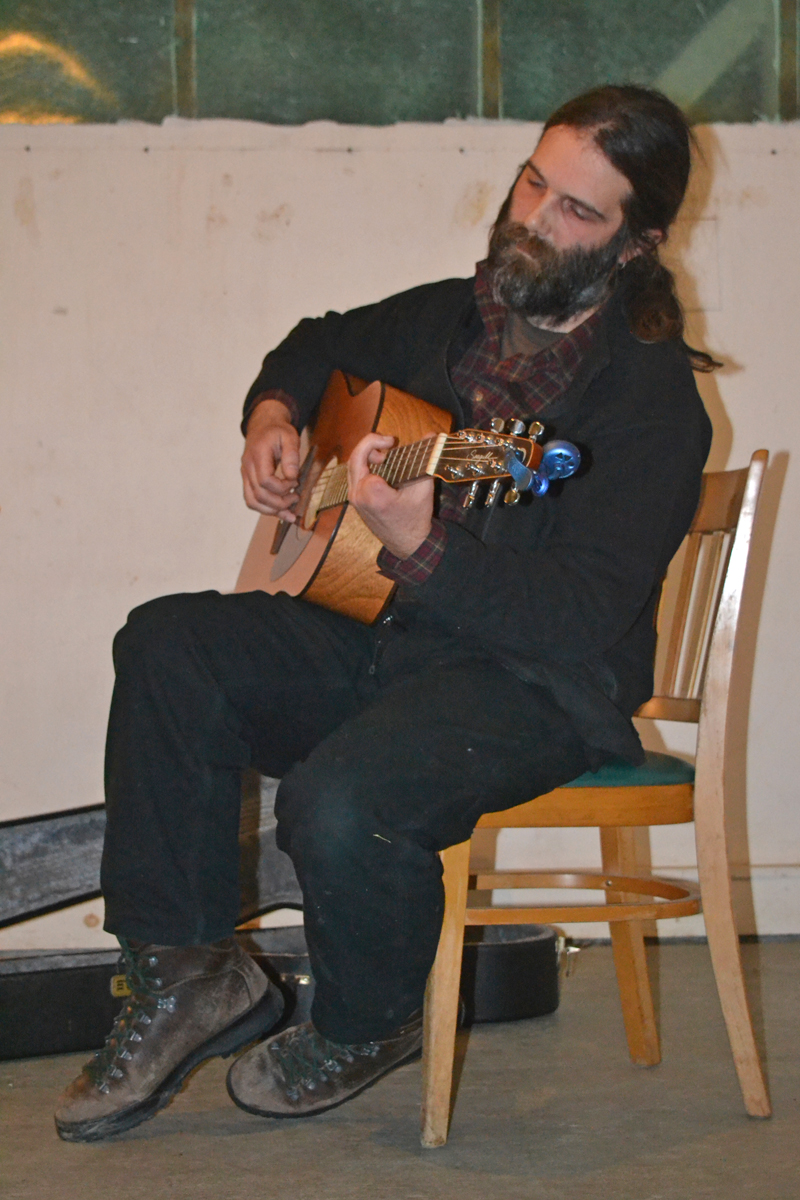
column 645, row 242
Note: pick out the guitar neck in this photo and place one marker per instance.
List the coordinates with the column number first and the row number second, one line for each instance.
column 401, row 465
column 405, row 463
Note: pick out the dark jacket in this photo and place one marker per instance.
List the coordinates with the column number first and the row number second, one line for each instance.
column 562, row 589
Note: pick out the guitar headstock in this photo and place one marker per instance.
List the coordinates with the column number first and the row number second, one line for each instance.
column 472, row 455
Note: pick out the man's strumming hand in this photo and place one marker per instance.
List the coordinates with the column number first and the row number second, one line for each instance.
column 400, row 518
column 271, row 440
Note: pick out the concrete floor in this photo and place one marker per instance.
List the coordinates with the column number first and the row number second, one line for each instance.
column 548, row 1109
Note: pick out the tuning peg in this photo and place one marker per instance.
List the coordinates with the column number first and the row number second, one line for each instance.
column 471, row 495
column 511, row 496
column 535, row 430
column 497, row 424
column 516, row 427
column 494, row 492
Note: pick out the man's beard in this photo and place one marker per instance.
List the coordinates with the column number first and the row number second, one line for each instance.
column 532, row 277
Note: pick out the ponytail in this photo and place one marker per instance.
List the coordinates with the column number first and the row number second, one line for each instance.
column 654, row 310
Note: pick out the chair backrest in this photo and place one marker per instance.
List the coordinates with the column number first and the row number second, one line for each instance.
column 695, row 656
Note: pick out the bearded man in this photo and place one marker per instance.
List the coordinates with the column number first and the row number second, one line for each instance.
column 517, row 646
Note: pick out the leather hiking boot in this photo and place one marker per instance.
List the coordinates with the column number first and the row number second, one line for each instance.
column 186, row 1004
column 299, row 1072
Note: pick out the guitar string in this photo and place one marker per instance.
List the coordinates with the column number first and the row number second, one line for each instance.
column 398, row 472
column 402, row 472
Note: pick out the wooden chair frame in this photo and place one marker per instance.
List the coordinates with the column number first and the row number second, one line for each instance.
column 695, row 686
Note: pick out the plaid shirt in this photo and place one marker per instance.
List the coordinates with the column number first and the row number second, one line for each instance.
column 522, row 386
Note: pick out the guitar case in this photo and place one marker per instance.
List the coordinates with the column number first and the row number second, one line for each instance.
column 58, row 1002
column 508, row 972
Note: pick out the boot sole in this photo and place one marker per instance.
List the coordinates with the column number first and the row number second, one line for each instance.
column 258, row 1020
column 412, row 1056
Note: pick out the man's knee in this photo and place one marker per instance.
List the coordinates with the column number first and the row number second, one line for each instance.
column 154, row 629
column 321, row 818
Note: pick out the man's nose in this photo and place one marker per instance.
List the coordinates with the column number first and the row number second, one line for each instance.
column 538, row 217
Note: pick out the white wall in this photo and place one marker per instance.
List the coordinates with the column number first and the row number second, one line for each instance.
column 144, row 272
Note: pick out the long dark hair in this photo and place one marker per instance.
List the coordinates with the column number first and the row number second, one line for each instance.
column 648, row 139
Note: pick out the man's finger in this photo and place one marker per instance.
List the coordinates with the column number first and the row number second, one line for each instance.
column 275, row 485
column 358, row 463
column 264, row 484
column 265, row 506
column 273, row 447
column 290, row 456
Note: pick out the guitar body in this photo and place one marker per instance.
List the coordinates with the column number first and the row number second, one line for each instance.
column 334, row 563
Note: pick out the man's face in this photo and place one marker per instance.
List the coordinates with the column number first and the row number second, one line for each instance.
column 554, row 251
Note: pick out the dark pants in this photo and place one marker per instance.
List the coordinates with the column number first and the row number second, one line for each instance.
column 390, row 740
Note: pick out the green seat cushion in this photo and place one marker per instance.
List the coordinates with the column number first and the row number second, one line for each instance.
column 656, row 769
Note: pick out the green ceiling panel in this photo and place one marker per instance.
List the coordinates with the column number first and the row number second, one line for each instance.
column 356, row 61
column 79, row 61
column 715, row 57
column 380, row 61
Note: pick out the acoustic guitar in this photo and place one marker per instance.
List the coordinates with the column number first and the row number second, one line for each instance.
column 329, row 555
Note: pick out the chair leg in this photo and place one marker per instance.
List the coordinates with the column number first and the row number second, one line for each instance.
column 441, row 1001
column 627, row 940
column 726, row 957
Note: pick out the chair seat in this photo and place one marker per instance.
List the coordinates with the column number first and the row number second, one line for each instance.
column 657, row 769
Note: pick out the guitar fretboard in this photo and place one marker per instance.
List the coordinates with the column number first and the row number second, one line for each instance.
column 401, row 465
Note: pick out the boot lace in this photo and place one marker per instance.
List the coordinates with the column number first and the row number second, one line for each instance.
column 307, row 1058
column 141, row 1005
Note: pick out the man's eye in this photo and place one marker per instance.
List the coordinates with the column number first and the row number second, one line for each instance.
column 580, row 213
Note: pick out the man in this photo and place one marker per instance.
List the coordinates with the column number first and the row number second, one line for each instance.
column 517, row 646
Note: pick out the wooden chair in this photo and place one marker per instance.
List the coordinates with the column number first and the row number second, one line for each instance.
column 696, row 675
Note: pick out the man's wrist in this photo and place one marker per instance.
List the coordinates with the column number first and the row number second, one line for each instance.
column 273, row 408
column 416, row 567
column 403, row 546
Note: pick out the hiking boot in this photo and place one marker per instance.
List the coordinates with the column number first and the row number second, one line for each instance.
column 186, row 1004
column 299, row 1072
